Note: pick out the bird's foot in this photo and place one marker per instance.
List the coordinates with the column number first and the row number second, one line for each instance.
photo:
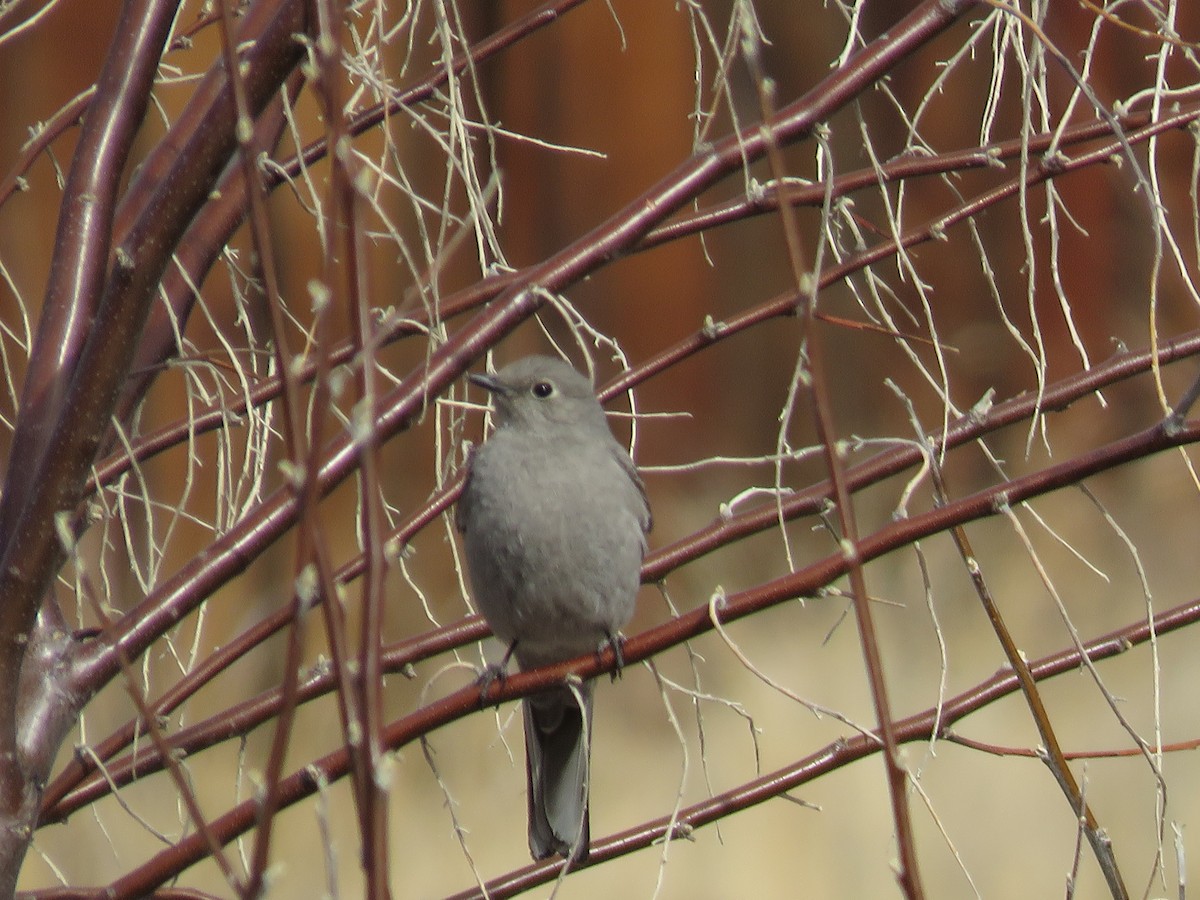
column 490, row 675
column 493, row 673
column 617, row 642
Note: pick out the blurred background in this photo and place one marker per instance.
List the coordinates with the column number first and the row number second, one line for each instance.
column 525, row 154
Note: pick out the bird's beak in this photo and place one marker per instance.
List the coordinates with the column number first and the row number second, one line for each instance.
column 487, row 382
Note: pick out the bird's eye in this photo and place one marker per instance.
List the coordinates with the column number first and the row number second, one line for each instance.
column 542, row 390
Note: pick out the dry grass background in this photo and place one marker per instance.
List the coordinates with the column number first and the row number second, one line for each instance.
column 504, row 167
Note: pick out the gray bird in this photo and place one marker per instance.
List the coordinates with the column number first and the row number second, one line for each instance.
column 554, row 519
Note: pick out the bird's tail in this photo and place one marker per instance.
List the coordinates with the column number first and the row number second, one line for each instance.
column 557, row 743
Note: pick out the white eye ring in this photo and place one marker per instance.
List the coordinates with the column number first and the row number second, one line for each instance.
column 542, row 389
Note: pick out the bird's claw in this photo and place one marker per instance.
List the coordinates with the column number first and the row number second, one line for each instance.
column 490, row 675
column 493, row 673
column 617, row 642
